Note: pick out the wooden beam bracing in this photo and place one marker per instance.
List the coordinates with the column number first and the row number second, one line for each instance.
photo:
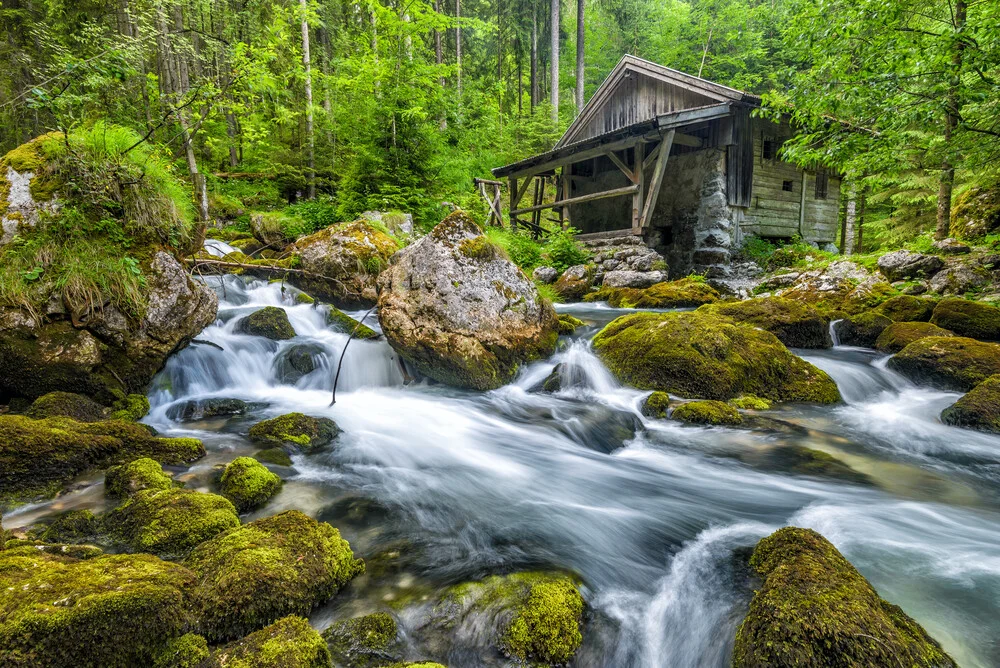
column 629, row 174
column 637, row 197
column 656, row 182
column 627, row 190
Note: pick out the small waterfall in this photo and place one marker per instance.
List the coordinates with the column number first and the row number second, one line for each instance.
column 833, row 332
column 217, row 248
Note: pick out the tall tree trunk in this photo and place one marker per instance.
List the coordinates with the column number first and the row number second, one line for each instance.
column 458, row 51
column 439, row 59
column 850, row 214
column 554, row 89
column 951, row 116
column 580, row 38
column 861, row 221
column 534, row 54
column 310, row 140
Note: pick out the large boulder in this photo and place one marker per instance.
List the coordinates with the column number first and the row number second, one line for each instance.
column 628, row 278
column 289, row 642
column 683, row 293
column 968, row 318
column 862, row 329
column 898, row 335
column 574, row 283
column 813, row 608
column 979, row 409
column 67, row 404
column 459, row 311
column 958, row 279
column 257, row 573
column 797, row 325
column 127, row 479
column 271, row 322
column 903, row 264
column 701, row 354
column 907, row 308
column 976, row 212
column 295, row 430
column 343, row 262
column 950, row 363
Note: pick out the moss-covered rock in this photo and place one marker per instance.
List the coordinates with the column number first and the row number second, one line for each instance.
column 345, row 324
column 797, row 325
column 750, row 402
column 812, row 462
column 703, row 355
column 574, row 283
column 211, row 407
column 950, row 363
column 271, row 322
column 248, row 484
column 287, row 643
column 976, row 212
column 979, row 409
column 815, row 609
column 862, row 329
column 707, row 412
column 898, row 335
column 187, row 651
column 364, row 642
column 126, row 479
column 656, row 405
column 74, row 526
column 105, row 612
column 67, row 404
column 252, row 575
column 682, row 293
column 907, row 308
column 968, row 318
column 169, row 522
column 131, row 408
column 276, row 456
column 38, row 457
column 304, row 432
column 568, row 324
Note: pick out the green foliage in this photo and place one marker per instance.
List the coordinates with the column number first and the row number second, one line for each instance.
column 561, row 250
column 315, row 214
column 522, row 250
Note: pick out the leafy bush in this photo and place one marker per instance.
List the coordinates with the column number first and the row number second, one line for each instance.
column 523, row 251
column 562, row 250
column 317, row 214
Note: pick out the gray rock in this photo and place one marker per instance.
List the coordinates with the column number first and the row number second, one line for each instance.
column 918, row 288
column 611, row 265
column 902, row 264
column 199, row 409
column 296, row 361
column 830, row 248
column 951, row 246
column 633, row 279
column 545, row 274
column 643, row 262
column 396, row 222
column 958, row 280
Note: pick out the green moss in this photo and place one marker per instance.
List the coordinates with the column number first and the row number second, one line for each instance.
column 683, row 293
column 341, row 322
column 364, row 642
column 187, row 651
column 979, row 409
column 287, row 643
column 109, row 611
column 751, row 402
column 707, row 412
column 546, row 626
column 75, row 526
column 170, row 522
column 907, row 308
column 304, row 431
column 421, row 664
column 815, row 609
column 797, row 325
column 303, row 298
column 276, row 566
column 126, row 479
column 66, row 404
column 898, row 335
column 276, row 456
column 271, row 322
column 568, row 323
column 862, row 329
column 950, row 363
column 482, row 248
column 702, row 355
column 968, row 318
column 656, row 405
column 248, row 484
column 131, row 408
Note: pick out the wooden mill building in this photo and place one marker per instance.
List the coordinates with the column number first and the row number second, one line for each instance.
column 682, row 162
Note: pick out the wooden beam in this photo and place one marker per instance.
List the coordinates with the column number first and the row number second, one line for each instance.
column 629, row 174
column 627, row 190
column 802, row 204
column 652, row 156
column 682, row 139
column 637, row 197
column 566, row 184
column 657, row 181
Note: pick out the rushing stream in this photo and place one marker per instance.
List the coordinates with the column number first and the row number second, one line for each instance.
column 653, row 515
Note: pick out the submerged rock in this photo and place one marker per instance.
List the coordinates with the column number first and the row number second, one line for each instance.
column 341, row 322
column 707, row 412
column 271, row 322
column 685, row 292
column 862, row 329
column 255, row 574
column 968, row 318
column 248, row 484
column 702, row 355
column 656, row 405
column 364, row 642
column 898, row 335
column 903, row 264
column 287, row 643
column 277, row 456
column 815, row 609
column 906, row 308
column 797, row 325
column 200, row 409
column 304, row 432
column 297, row 361
column 127, row 479
column 979, row 409
column 456, row 308
column 949, row 363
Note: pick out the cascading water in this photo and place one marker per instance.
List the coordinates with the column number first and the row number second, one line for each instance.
column 647, row 512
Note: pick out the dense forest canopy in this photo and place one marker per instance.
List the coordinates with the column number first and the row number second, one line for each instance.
column 395, row 105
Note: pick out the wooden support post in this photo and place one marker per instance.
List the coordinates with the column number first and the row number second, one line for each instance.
column 630, row 174
column 637, row 198
column 536, row 216
column 513, row 203
column 616, row 192
column 566, row 182
column 656, row 182
column 802, row 205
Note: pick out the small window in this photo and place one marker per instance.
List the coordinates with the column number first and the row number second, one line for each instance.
column 822, row 181
column 769, row 150
column 787, row 186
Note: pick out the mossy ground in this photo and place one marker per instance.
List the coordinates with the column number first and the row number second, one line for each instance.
column 682, row 293
column 295, row 429
column 287, row 643
column 979, row 409
column 248, row 484
column 707, row 412
column 187, row 651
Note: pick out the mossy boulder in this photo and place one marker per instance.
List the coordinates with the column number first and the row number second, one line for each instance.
column 862, row 329
column 683, row 293
column 304, row 432
column 187, row 651
column 907, row 308
column 750, row 402
column 169, row 522
column 898, row 335
column 968, row 318
column 131, row 408
column 345, row 324
column 74, row 526
column 287, row 643
column 797, row 325
column 277, row 456
column 38, row 457
column 656, row 405
column 126, row 479
column 568, row 324
column 296, row 361
column 364, row 642
column 949, row 363
column 67, row 404
column 979, row 409
column 344, row 262
column 201, row 409
column 976, row 212
column 248, row 484
column 707, row 412
column 703, row 355
column 271, row 322
column 255, row 574
column 814, row 609
column 468, row 320
column 108, row 611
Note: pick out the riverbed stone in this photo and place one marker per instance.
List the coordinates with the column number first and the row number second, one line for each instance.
column 903, row 264
column 949, row 363
column 144, row 473
column 701, row 354
column 813, row 608
column 345, row 324
column 862, row 329
column 968, row 318
column 255, row 574
column 797, row 325
column 979, row 409
column 248, row 484
column 958, row 279
column 460, row 312
column 656, row 405
column 211, row 407
column 708, row 412
column 365, row 642
column 289, row 642
column 907, row 308
column 296, row 430
column 271, row 322
column 898, row 335
column 545, row 275
column 294, row 362
column 686, row 292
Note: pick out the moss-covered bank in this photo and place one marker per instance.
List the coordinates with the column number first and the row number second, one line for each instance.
column 979, row 409
column 950, row 363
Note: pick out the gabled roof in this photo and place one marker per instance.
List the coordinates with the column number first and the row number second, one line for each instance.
column 699, row 91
